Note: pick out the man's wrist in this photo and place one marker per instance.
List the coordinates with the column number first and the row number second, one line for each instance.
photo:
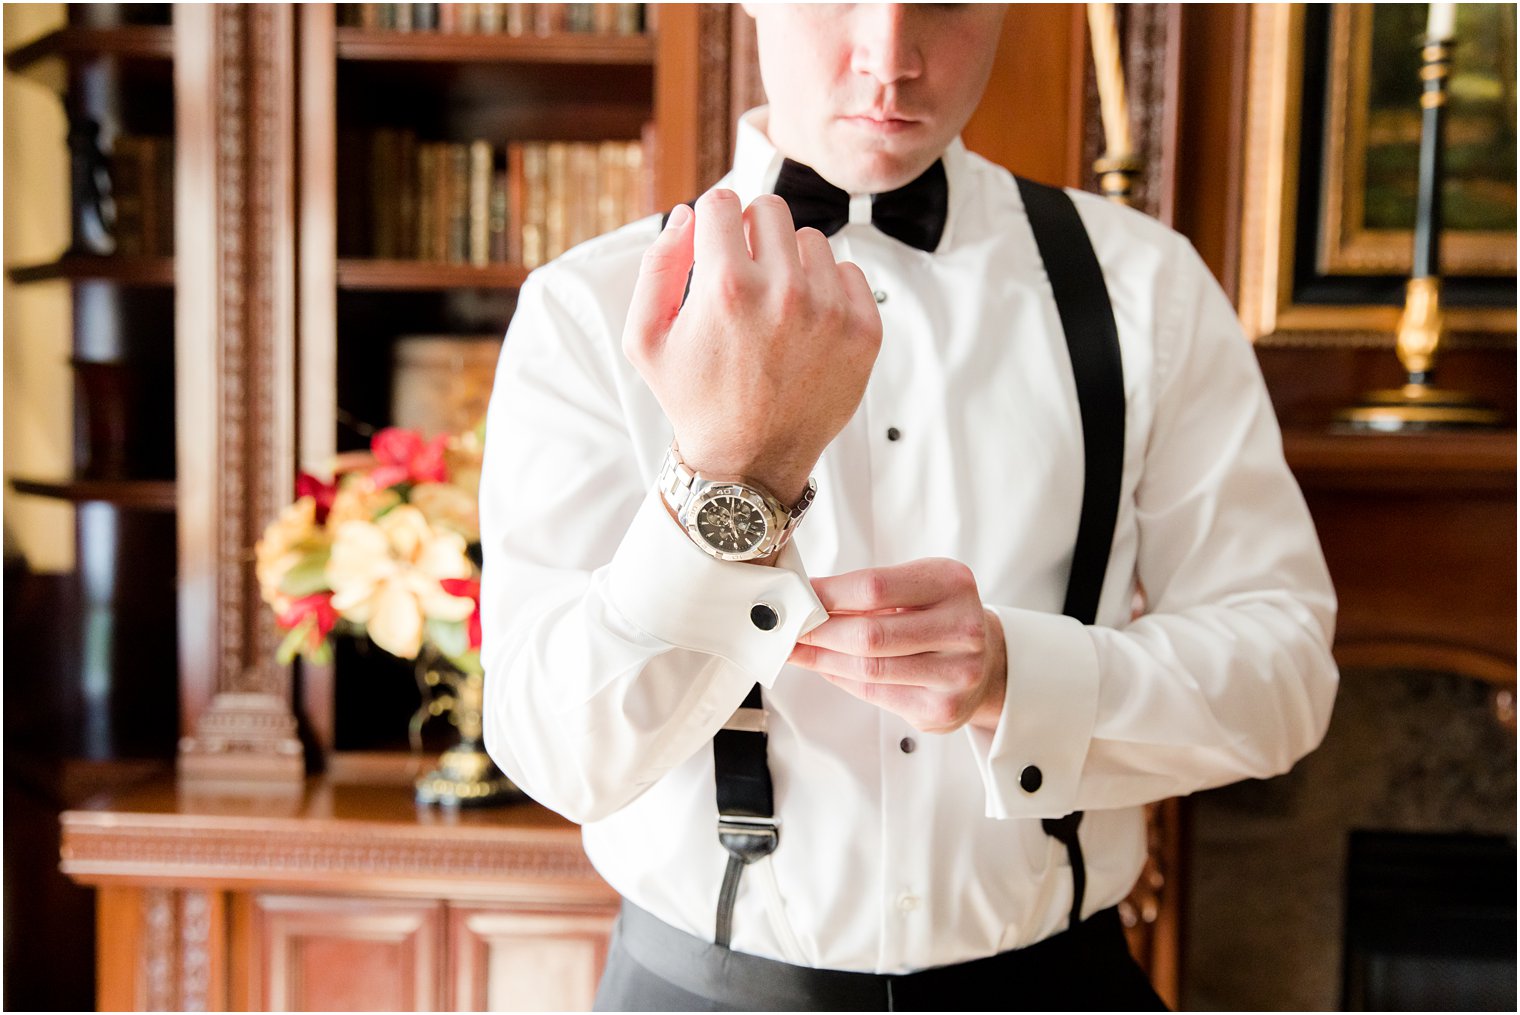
column 786, row 481
column 989, row 711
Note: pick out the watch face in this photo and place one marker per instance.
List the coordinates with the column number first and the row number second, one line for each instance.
column 730, row 524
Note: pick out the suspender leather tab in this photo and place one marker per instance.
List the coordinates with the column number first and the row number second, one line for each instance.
column 747, row 826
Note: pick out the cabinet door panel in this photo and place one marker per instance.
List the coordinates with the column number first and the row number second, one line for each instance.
column 330, row 954
column 521, row 960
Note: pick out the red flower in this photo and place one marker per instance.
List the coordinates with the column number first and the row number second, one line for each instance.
column 403, row 456
column 467, row 588
column 308, row 485
column 317, row 606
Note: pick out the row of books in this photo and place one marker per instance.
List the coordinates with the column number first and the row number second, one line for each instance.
column 142, row 191
column 474, row 203
column 497, row 18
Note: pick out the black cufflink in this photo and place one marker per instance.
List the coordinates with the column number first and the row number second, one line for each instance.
column 764, row 616
column 1031, row 779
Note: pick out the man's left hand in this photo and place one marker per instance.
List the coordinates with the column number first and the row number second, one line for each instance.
column 913, row 639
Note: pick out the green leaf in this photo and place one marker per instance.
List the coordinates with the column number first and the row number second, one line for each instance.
column 467, row 663
column 294, row 640
column 449, row 636
column 307, row 577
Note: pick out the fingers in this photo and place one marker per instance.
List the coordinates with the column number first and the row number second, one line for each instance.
column 720, row 233
column 901, row 633
column 916, row 583
column 940, row 671
column 858, row 291
column 928, row 709
column 772, row 237
column 661, row 284
column 816, row 256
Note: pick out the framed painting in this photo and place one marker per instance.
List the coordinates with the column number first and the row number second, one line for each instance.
column 1328, row 196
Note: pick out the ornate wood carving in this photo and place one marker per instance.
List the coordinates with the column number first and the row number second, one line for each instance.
column 715, row 121
column 157, row 956
column 237, row 348
column 332, row 837
column 194, row 950
column 1151, row 45
column 173, row 945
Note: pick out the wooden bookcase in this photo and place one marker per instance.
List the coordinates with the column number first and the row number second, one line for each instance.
column 117, row 73
column 454, row 88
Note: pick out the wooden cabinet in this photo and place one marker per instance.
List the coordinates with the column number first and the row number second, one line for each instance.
column 337, row 897
column 524, row 960
column 319, row 953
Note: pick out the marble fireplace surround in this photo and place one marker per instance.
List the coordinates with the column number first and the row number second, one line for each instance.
column 1412, row 751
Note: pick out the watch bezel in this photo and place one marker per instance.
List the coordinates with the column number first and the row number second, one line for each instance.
column 752, row 497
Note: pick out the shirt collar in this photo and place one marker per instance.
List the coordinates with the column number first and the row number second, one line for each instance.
column 757, row 163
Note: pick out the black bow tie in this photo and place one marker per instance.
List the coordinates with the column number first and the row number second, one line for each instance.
column 914, row 213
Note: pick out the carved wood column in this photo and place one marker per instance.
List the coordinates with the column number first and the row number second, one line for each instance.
column 235, row 377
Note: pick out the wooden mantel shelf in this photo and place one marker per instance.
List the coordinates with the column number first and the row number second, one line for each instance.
column 1438, row 461
column 1418, row 531
column 322, row 835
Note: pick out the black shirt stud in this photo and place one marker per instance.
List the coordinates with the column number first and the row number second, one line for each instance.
column 1031, row 779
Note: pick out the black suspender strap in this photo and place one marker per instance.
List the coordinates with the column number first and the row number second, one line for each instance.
column 1092, row 341
column 746, row 809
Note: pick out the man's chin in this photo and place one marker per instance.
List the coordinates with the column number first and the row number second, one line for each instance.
column 868, row 171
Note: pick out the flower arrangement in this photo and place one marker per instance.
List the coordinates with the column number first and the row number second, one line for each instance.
column 382, row 550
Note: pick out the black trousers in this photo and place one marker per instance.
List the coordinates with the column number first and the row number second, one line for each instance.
column 651, row 966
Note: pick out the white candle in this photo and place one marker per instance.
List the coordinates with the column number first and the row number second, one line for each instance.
column 1109, row 69
column 1443, row 21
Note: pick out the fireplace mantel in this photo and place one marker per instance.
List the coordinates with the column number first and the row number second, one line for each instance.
column 1419, row 534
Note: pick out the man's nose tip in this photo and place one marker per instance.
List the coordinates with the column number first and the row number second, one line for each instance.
column 885, row 47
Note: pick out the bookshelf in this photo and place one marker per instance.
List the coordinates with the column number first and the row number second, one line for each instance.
column 112, row 71
column 363, row 294
column 94, row 700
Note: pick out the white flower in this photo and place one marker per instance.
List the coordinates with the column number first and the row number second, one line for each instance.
column 385, row 575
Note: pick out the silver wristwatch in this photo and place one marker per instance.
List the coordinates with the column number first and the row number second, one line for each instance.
column 729, row 519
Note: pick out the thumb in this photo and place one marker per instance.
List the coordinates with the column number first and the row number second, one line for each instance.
column 661, row 286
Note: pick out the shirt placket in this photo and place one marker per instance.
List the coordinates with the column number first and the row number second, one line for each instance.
column 902, row 888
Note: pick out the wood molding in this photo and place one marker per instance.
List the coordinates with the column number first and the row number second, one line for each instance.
column 326, row 837
column 235, row 376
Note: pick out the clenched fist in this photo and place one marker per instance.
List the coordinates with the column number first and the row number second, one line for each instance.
column 769, row 357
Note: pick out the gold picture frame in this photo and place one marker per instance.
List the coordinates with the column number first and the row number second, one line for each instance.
column 1270, row 307
column 1348, row 244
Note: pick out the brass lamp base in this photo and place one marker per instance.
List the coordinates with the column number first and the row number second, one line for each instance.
column 466, row 777
column 1418, row 407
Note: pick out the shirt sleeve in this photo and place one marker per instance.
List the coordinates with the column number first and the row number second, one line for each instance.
column 1228, row 674
column 613, row 647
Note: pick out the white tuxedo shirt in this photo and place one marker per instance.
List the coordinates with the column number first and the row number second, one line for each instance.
column 615, row 648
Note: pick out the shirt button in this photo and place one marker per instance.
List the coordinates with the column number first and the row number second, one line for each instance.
column 880, row 295
column 1031, row 778
column 907, row 902
column 764, row 616
column 906, row 745
column 893, row 433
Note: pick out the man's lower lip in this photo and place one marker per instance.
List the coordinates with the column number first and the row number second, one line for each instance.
column 881, row 126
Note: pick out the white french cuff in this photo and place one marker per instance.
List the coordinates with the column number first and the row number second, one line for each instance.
column 1032, row 765
column 663, row 583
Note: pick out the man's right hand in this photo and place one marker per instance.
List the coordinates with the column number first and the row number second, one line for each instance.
column 769, row 357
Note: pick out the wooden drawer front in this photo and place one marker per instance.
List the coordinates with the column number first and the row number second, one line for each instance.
column 523, row 960
column 329, row 954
